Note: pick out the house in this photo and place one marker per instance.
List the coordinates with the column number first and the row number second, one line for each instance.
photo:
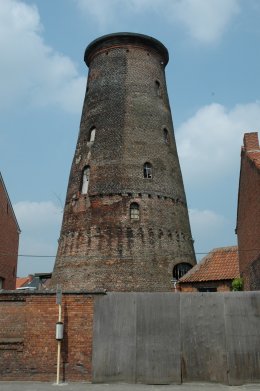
column 37, row 281
column 248, row 212
column 214, row 273
column 9, row 240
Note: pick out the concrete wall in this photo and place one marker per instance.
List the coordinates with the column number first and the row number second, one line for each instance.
column 163, row 338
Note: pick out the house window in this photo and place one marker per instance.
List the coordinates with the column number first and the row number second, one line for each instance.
column 180, row 269
column 207, row 289
column 1, row 283
column 85, row 180
column 134, row 211
column 92, row 134
column 166, row 137
column 148, row 171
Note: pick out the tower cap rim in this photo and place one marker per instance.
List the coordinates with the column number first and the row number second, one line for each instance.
column 124, row 38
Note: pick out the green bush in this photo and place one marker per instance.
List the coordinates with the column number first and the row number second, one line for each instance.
column 237, row 284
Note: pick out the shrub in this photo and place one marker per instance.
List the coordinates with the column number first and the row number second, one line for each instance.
column 237, row 284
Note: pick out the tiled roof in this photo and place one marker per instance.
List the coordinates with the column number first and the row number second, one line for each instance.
column 21, row 281
column 220, row 264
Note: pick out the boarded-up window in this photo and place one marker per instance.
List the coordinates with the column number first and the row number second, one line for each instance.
column 85, row 180
column 92, row 134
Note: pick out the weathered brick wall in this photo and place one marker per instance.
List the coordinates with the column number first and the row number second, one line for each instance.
column 248, row 217
column 127, row 103
column 9, row 239
column 124, row 255
column 28, row 348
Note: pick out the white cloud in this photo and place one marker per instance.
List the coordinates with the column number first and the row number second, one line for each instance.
column 204, row 20
column 31, row 71
column 209, row 142
column 210, row 230
column 40, row 224
column 34, row 215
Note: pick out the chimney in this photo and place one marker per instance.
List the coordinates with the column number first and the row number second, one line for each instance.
column 251, row 141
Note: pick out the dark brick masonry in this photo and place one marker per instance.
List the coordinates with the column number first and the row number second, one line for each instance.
column 126, row 122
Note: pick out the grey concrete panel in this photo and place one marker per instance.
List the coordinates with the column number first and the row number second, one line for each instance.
column 242, row 314
column 203, row 337
column 114, row 338
column 158, row 338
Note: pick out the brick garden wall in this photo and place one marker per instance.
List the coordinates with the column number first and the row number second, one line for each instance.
column 28, row 348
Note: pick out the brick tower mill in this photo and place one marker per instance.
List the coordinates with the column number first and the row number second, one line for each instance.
column 125, row 224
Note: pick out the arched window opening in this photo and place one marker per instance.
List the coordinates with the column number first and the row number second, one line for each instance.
column 92, row 134
column 134, row 211
column 85, row 180
column 180, row 269
column 166, row 137
column 157, row 88
column 148, row 171
column 1, row 283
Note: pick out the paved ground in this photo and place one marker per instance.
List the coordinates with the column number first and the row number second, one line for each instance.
column 37, row 386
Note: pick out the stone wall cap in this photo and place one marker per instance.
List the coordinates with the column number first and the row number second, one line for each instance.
column 50, row 292
column 105, row 41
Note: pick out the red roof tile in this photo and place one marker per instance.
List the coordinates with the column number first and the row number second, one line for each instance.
column 220, row 264
column 21, row 281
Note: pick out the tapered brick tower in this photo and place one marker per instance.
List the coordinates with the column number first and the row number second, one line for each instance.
column 125, row 223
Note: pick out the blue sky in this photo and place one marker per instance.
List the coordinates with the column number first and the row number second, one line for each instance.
column 213, row 85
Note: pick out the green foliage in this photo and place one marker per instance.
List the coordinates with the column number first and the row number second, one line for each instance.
column 237, row 284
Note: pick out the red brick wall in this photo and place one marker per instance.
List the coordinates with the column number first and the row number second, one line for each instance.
column 9, row 239
column 28, row 348
column 248, row 217
column 222, row 286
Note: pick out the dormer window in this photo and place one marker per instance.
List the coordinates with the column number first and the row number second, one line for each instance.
column 85, row 180
column 148, row 170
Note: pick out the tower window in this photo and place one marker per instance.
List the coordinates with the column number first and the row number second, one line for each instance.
column 180, row 269
column 148, row 171
column 166, row 137
column 134, row 211
column 85, row 180
column 158, row 88
column 92, row 134
column 1, row 283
